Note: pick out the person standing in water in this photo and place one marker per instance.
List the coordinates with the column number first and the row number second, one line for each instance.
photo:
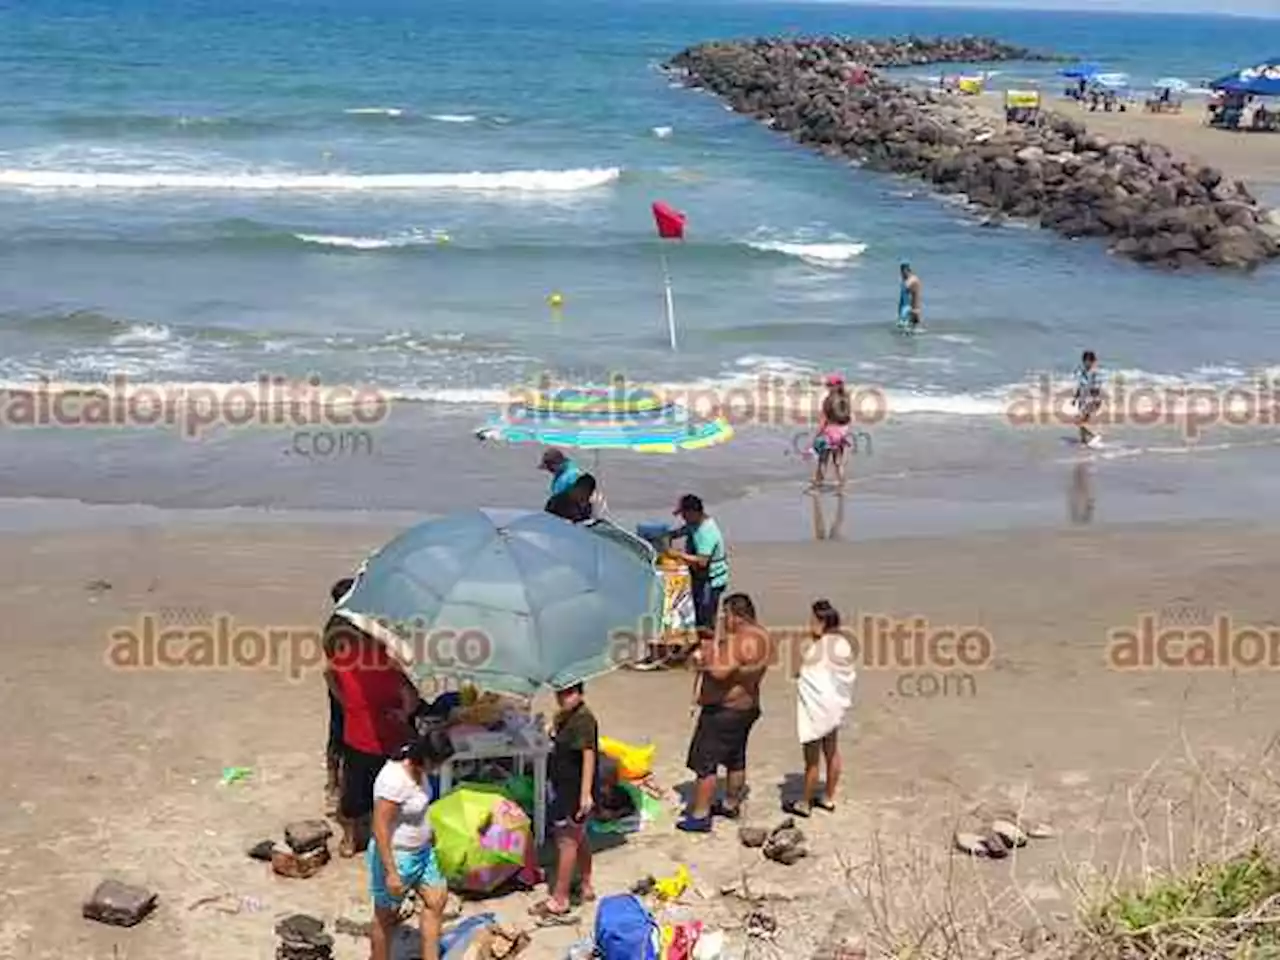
column 832, row 439
column 908, row 300
column 1088, row 397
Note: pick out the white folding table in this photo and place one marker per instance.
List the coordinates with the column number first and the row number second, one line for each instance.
column 525, row 747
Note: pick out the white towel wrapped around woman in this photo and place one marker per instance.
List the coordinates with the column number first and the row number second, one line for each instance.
column 824, row 686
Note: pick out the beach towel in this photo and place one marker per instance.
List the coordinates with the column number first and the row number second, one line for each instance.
column 824, row 691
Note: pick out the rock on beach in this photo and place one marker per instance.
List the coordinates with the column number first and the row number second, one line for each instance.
column 1147, row 203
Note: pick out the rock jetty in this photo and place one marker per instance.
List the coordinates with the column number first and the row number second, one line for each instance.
column 1152, row 206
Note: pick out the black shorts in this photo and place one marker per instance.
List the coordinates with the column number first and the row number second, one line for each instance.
column 564, row 804
column 706, row 605
column 720, row 740
column 359, row 770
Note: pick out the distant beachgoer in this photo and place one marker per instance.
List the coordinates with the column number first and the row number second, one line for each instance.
column 832, row 439
column 824, row 694
column 731, row 670
column 908, row 299
column 401, row 857
column 707, row 559
column 333, row 631
column 1088, row 396
column 377, row 700
column 564, row 472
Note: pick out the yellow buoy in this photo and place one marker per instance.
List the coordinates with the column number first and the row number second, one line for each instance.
column 556, row 300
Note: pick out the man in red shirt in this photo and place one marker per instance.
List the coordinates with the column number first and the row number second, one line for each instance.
column 376, row 700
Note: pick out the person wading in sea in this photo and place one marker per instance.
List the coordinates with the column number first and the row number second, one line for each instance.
column 1088, row 397
column 832, row 439
column 909, row 300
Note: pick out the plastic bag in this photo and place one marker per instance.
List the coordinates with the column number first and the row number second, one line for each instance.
column 634, row 762
column 670, row 888
column 455, row 940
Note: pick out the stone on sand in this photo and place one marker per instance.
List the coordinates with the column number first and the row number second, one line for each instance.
column 286, row 863
column 303, row 836
column 1009, row 832
column 261, row 850
column 303, row 938
column 786, row 844
column 119, row 904
column 966, row 841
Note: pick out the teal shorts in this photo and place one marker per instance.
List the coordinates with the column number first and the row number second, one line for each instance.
column 417, row 868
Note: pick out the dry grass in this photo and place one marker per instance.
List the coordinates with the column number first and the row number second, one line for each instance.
column 1181, row 863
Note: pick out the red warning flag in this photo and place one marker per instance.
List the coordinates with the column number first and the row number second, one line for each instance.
column 670, row 221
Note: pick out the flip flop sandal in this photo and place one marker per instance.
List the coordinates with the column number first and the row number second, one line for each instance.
column 826, row 805
column 797, row 809
column 544, row 916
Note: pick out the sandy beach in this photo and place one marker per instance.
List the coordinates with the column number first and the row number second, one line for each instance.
column 114, row 772
column 1252, row 157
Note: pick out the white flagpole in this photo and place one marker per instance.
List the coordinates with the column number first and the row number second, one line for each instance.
column 671, row 310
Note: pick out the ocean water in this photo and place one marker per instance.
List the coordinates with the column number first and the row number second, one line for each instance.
column 387, row 193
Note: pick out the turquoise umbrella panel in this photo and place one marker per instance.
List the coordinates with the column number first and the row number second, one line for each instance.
column 605, row 435
column 549, row 599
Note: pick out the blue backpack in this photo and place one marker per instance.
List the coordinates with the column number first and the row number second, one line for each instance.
column 625, row 930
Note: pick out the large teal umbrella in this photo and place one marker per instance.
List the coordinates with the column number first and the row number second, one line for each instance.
column 511, row 601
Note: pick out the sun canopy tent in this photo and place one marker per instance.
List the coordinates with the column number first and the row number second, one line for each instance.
column 1261, row 80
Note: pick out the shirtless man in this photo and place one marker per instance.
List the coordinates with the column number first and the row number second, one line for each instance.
column 731, row 667
column 909, row 300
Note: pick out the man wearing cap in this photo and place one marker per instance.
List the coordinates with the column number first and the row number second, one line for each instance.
column 707, row 559
column 908, row 300
column 564, row 472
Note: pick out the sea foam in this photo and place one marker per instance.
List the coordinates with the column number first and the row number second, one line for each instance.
column 821, row 254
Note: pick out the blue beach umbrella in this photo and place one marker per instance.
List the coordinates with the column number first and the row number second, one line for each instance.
column 1262, row 79
column 510, row 601
column 605, row 419
column 1081, row 71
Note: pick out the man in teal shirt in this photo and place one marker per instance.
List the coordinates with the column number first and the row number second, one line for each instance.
column 707, row 559
column 564, row 472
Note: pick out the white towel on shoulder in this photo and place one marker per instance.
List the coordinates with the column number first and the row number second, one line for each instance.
column 825, row 687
